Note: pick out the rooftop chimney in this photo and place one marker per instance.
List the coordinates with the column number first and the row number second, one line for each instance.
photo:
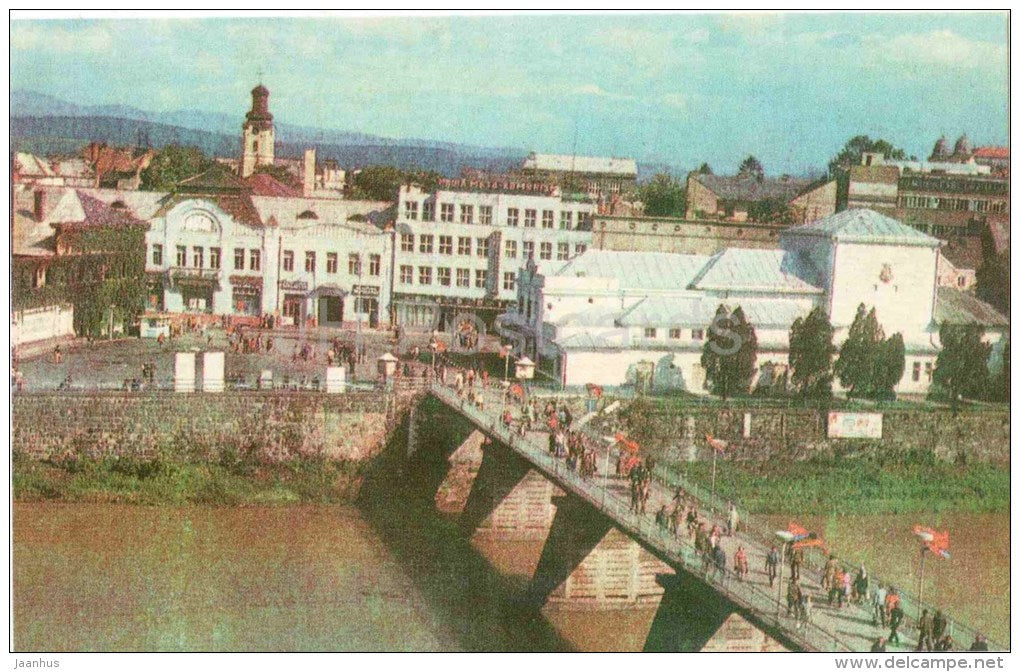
column 308, row 185
column 39, row 209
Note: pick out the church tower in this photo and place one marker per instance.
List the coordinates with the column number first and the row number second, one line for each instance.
column 257, row 133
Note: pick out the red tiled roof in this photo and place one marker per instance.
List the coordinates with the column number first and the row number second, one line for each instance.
column 992, row 152
column 262, row 184
column 98, row 213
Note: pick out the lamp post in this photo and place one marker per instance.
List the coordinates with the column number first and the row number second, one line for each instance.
column 786, row 536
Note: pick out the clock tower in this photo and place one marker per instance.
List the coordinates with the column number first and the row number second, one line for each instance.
column 257, row 135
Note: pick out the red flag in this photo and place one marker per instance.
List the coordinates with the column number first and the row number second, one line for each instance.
column 504, row 351
column 936, row 542
column 595, row 390
column 717, row 444
column 517, row 390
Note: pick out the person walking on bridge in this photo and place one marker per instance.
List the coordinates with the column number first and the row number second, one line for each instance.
column 740, row 564
column 895, row 620
column 938, row 626
column 732, row 521
column 924, row 642
column 772, row 565
column 793, row 595
column 878, row 606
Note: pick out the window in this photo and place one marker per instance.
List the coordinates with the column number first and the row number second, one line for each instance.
column 566, row 219
column 547, row 219
column 697, row 334
column 238, row 259
column 961, row 281
column 485, row 214
column 424, row 275
column 463, row 245
column 545, row 251
column 256, row 260
column 214, row 257
column 529, row 249
column 407, row 242
column 916, row 373
column 157, row 255
column 446, row 212
column 675, row 333
column 443, row 276
column 467, row 214
column 651, row 332
column 583, row 220
column 529, row 218
column 929, row 370
column 463, row 277
column 182, row 256
column 482, row 247
column 428, row 211
column 332, row 262
column 309, row 262
column 509, row 281
column 411, row 209
column 511, row 216
column 445, row 244
column 406, row 275
column 425, row 244
column 374, row 264
column 580, row 248
column 288, row 260
column 510, row 248
column 480, row 277
column 354, row 264
column 562, row 251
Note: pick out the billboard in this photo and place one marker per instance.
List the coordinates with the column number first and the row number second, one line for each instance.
column 855, row 425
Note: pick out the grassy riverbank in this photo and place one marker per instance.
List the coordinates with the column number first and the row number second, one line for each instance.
column 859, row 486
column 230, row 481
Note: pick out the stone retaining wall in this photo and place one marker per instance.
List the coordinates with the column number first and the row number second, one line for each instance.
column 273, row 424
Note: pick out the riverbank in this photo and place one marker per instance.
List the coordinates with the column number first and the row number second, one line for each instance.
column 863, row 485
column 229, row 481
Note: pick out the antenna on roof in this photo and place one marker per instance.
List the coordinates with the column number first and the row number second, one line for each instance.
column 260, row 73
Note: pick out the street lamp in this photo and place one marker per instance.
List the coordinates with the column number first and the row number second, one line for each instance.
column 786, row 537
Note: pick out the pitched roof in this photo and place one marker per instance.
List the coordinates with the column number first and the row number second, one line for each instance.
column 860, row 225
column 581, row 164
column 62, row 207
column 263, row 184
column 699, row 311
column 30, row 164
column 635, row 270
column 750, row 188
column 758, row 270
column 992, row 152
column 956, row 307
column 963, row 252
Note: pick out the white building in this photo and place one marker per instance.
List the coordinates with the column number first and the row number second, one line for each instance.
column 459, row 248
column 610, row 317
column 214, row 248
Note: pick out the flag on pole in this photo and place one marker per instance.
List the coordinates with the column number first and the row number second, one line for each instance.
column 718, row 445
column 517, row 390
column 504, row 351
column 936, row 542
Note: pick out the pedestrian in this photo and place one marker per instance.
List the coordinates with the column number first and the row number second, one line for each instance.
column 878, row 607
column 796, row 560
column 847, row 589
column 946, row 643
column 772, row 565
column 732, row 521
column 720, row 562
column 829, row 573
column 806, row 608
column 740, row 563
column 895, row 620
column 793, row 595
column 924, row 642
column 661, row 519
column 938, row 626
column 980, row 643
column 892, row 600
column 861, row 586
column 878, row 646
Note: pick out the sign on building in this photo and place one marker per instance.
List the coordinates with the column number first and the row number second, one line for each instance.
column 855, row 425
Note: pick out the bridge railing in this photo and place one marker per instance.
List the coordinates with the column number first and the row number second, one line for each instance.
column 677, row 551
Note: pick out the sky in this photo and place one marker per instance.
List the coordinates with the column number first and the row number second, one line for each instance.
column 678, row 88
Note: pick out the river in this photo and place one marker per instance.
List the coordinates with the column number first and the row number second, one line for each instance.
column 111, row 577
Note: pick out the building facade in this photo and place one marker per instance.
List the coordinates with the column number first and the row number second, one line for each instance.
column 617, row 318
column 458, row 249
column 733, row 198
column 599, row 177
column 672, row 234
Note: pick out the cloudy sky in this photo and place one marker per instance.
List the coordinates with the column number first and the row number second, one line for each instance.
column 684, row 88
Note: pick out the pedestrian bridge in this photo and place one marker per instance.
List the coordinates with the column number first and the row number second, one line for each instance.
column 582, row 555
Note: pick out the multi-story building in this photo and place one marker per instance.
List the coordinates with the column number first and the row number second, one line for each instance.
column 673, row 234
column 618, row 317
column 459, row 248
column 599, row 177
column 734, row 198
column 215, row 248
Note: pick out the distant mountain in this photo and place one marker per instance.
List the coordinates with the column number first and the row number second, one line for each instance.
column 46, row 124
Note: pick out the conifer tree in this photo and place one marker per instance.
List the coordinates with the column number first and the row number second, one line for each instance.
column 811, row 353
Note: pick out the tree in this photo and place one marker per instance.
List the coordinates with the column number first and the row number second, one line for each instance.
column 663, row 196
column 173, row 164
column 811, row 353
column 751, row 166
column 729, row 353
column 887, row 370
column 856, row 146
column 381, row 183
column 705, row 169
column 961, row 368
column 993, row 281
column 772, row 211
column 855, row 366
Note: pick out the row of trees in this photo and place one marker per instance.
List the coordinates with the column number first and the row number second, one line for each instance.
column 868, row 364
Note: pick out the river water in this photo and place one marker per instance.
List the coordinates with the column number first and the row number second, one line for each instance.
column 130, row 578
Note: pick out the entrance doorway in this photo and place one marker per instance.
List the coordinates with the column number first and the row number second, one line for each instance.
column 294, row 308
column 331, row 310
